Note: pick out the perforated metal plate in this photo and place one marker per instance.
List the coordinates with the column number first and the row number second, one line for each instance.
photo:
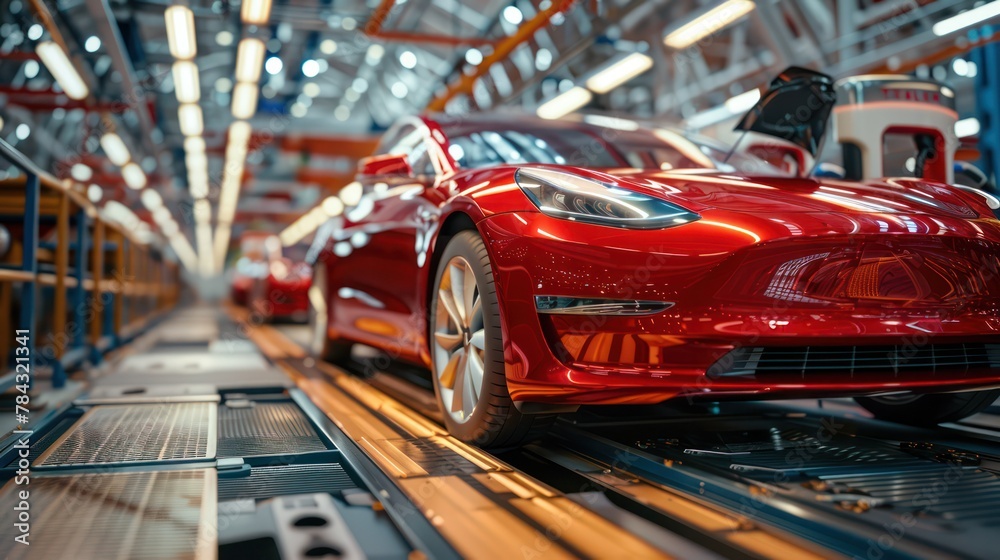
column 131, row 433
column 142, row 516
column 268, row 482
column 261, row 428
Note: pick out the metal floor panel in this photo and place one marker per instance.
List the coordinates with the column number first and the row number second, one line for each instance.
column 131, row 433
column 268, row 482
column 169, row 515
column 262, row 428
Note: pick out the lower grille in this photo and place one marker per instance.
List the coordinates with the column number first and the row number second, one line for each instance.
column 265, row 429
column 133, row 433
column 140, row 515
column 890, row 360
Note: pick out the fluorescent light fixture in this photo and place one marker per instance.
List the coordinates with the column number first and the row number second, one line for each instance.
column 203, row 237
column 302, row 227
column 189, row 116
column 151, row 200
column 198, row 185
column 62, row 70
column 714, row 20
column 222, row 233
column 967, row 127
column 619, row 72
column 249, row 60
column 350, row 195
column 616, row 123
column 564, row 103
column 739, row 104
column 161, row 215
column 186, row 85
column 182, row 247
column 734, row 106
column 115, row 149
column 194, row 145
column 239, row 133
column 196, row 162
column 81, row 172
column 244, row 100
column 133, row 175
column 180, row 32
column 95, row 193
column 333, row 206
column 967, row 19
column 256, row 12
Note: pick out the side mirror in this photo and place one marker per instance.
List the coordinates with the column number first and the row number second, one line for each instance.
column 388, row 164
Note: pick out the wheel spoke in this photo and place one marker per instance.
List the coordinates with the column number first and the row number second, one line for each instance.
column 475, row 376
column 447, row 340
column 460, row 388
column 448, row 376
column 478, row 339
column 469, row 295
column 447, row 300
column 456, row 275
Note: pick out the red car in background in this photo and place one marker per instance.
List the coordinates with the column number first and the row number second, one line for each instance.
column 273, row 286
column 535, row 266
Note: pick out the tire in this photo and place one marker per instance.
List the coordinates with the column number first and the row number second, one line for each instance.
column 929, row 410
column 335, row 351
column 485, row 417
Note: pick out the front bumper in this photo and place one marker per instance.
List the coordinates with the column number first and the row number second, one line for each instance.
column 579, row 359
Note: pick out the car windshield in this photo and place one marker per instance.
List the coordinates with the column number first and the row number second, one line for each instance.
column 598, row 147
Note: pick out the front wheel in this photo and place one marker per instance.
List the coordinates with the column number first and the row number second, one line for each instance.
column 928, row 410
column 467, row 351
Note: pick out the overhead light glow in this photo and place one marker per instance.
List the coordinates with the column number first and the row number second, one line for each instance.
column 619, row 72
column 194, row 145
column 190, row 118
column 249, row 60
column 180, row 32
column 328, row 46
column 95, row 193
column 55, row 59
column 81, row 172
column 408, row 59
column 967, row 19
column 967, row 127
column 273, row 65
column 256, row 12
column 310, row 68
column 564, row 103
column 22, row 131
column 708, row 23
column 186, row 84
column 350, row 195
column 92, row 44
column 115, row 149
column 739, row 104
column 333, row 206
column 133, row 175
column 513, row 15
column 151, row 200
column 311, row 89
column 244, row 100
column 474, row 56
column 224, row 38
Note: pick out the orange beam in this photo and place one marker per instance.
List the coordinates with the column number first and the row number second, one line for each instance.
column 503, row 49
column 381, row 13
column 325, row 145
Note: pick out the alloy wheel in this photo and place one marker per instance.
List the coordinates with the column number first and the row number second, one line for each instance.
column 459, row 340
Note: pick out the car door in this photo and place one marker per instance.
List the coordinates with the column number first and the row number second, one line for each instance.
column 381, row 251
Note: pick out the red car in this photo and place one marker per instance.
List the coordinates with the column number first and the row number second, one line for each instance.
column 535, row 266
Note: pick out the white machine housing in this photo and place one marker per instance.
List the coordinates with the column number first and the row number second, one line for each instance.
column 873, row 106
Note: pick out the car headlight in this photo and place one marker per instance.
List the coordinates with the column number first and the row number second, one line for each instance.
column 571, row 197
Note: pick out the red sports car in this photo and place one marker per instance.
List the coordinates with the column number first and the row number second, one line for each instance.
column 535, row 266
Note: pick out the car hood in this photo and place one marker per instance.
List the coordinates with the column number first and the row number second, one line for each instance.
column 698, row 190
